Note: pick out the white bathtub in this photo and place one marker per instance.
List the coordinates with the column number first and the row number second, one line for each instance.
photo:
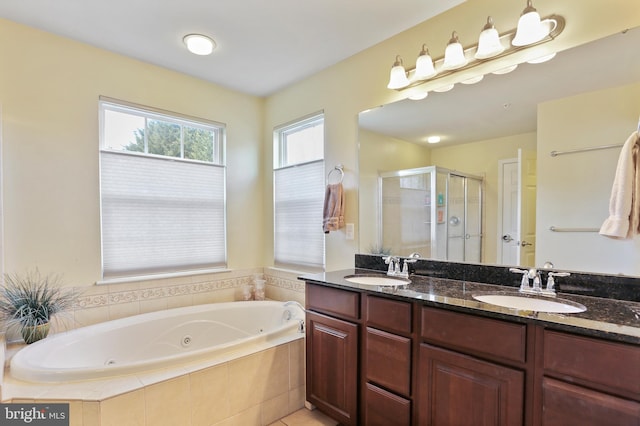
column 155, row 340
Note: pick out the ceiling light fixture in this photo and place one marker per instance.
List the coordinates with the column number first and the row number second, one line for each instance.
column 530, row 31
column 199, row 44
column 433, row 139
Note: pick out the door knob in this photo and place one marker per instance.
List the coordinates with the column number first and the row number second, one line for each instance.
column 524, row 243
column 507, row 238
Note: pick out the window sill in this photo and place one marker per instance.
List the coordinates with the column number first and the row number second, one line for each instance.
column 137, row 278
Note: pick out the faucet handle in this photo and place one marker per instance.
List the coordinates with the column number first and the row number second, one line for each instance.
column 551, row 282
column 524, row 284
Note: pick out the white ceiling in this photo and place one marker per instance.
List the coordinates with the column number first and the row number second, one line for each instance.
column 262, row 46
column 502, row 105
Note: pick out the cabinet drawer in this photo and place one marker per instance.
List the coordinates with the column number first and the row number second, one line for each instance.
column 390, row 315
column 566, row 404
column 476, row 334
column 384, row 408
column 614, row 367
column 388, row 360
column 342, row 303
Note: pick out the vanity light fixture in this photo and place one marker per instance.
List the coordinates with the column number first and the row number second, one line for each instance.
column 398, row 77
column 489, row 44
column 530, row 31
column 424, row 65
column 454, row 54
column 199, row 44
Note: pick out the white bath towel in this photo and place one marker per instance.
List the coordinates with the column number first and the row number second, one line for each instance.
column 333, row 213
column 624, row 205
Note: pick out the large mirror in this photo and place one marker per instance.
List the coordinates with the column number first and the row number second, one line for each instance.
column 550, row 133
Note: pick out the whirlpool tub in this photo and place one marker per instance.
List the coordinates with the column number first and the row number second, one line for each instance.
column 157, row 340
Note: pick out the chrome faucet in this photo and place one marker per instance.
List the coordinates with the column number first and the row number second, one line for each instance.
column 287, row 316
column 295, row 303
column 534, row 274
column 394, row 269
column 394, row 265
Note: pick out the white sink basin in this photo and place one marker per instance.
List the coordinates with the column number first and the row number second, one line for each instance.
column 377, row 280
column 525, row 303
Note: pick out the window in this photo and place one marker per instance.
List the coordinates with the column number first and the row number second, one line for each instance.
column 299, row 194
column 162, row 190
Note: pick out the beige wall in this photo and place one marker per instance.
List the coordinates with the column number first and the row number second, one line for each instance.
column 49, row 89
column 359, row 82
column 574, row 189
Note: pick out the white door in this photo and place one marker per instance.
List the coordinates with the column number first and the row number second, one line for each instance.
column 527, row 207
column 508, row 233
column 517, row 216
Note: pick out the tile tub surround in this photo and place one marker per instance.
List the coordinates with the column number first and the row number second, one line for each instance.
column 581, row 283
column 255, row 389
column 105, row 302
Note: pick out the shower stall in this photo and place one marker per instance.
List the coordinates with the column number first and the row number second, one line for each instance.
column 432, row 211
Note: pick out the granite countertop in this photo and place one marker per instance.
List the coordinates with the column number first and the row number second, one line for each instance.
column 611, row 319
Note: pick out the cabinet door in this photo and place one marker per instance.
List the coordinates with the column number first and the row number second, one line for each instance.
column 456, row 389
column 332, row 362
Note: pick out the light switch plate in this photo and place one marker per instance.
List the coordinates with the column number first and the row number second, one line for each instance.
column 349, row 231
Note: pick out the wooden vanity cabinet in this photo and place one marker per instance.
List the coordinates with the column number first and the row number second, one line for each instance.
column 332, row 351
column 588, row 381
column 376, row 360
column 468, row 370
column 387, row 362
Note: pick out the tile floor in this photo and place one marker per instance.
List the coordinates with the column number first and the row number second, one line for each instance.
column 304, row 417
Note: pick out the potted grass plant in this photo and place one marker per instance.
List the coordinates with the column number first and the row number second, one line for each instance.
column 29, row 301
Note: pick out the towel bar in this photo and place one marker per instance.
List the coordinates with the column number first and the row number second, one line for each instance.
column 340, row 169
column 556, row 229
column 593, row 148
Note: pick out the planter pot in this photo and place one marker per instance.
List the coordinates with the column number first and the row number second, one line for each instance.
column 32, row 334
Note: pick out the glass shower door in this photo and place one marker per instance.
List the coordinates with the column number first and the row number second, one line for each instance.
column 456, row 223
column 473, row 236
column 464, row 219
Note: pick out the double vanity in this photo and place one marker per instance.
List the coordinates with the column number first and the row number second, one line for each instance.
column 439, row 349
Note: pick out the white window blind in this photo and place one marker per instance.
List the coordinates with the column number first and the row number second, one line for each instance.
column 298, row 204
column 160, row 215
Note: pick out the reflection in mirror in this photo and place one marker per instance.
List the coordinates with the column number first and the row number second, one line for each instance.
column 504, row 130
column 431, row 211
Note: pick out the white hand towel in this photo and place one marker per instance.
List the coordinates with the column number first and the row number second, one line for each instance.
column 624, row 204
